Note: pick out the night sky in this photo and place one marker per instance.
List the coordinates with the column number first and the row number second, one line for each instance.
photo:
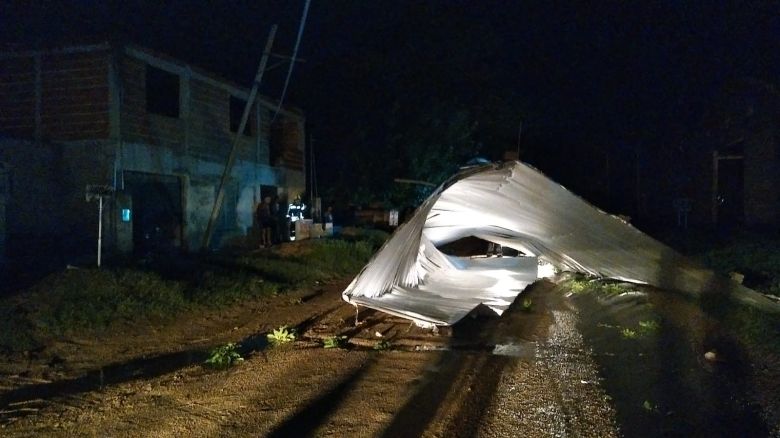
column 586, row 81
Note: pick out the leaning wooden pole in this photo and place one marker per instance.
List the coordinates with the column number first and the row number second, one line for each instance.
column 233, row 151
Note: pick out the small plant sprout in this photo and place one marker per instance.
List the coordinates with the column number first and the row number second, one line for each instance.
column 224, row 357
column 647, row 327
column 280, row 336
column 649, row 406
column 527, row 304
column 628, row 333
column 383, row 345
column 334, row 342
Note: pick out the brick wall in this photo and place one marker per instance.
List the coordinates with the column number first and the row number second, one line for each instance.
column 210, row 136
column 136, row 124
column 17, row 97
column 286, row 144
column 73, row 99
column 202, row 128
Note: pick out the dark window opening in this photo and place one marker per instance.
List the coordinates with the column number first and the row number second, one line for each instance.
column 275, row 144
column 236, row 111
column 162, row 92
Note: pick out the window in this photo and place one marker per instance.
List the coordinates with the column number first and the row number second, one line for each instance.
column 162, row 92
column 236, row 111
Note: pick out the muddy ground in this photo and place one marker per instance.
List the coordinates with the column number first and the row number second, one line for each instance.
column 564, row 367
column 432, row 384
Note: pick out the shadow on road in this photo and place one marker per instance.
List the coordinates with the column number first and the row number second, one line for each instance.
column 306, row 420
column 476, row 375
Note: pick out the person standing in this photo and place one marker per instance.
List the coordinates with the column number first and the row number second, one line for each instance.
column 282, row 222
column 263, row 217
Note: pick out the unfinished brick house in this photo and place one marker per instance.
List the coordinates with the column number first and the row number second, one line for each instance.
column 155, row 129
column 734, row 159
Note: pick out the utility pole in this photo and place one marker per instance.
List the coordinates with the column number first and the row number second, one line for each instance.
column 233, row 151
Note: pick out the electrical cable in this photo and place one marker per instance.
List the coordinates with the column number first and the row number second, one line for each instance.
column 292, row 61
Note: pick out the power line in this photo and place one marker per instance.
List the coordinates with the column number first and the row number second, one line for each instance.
column 293, row 58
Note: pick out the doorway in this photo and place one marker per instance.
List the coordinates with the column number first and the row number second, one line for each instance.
column 729, row 189
column 157, row 211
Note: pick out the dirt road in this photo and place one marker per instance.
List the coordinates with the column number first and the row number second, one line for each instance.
column 541, row 382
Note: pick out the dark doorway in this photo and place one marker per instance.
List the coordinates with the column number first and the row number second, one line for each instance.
column 157, row 211
column 730, row 194
column 267, row 191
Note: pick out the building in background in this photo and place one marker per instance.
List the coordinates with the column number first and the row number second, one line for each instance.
column 156, row 130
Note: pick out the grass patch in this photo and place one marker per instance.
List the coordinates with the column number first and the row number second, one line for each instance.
column 90, row 300
column 585, row 285
column 756, row 257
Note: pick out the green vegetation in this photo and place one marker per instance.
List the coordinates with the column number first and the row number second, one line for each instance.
column 754, row 254
column 628, row 333
column 89, row 300
column 224, row 357
column 648, row 327
column 755, row 257
column 583, row 285
column 281, row 336
column 335, row 342
column 383, row 345
column 527, row 304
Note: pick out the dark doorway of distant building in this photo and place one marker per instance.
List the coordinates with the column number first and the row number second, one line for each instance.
column 267, row 191
column 157, row 211
column 729, row 188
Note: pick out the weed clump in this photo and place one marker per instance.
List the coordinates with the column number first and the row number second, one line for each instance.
column 334, row 342
column 383, row 345
column 629, row 333
column 224, row 357
column 281, row 336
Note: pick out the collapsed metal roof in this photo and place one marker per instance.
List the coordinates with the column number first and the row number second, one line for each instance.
column 517, row 206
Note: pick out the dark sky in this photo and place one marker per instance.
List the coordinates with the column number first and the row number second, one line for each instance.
column 591, row 74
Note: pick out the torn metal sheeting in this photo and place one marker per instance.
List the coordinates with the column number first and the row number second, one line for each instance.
column 514, row 205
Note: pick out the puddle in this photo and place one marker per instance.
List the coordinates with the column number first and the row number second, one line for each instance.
column 523, row 351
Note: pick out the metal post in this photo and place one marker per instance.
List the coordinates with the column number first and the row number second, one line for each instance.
column 100, row 228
